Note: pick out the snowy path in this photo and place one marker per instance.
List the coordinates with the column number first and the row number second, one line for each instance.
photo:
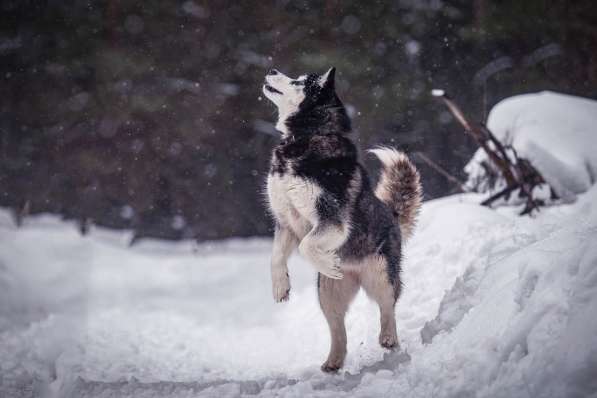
column 88, row 316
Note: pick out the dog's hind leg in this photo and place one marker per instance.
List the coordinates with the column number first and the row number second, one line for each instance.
column 376, row 282
column 284, row 243
column 335, row 296
column 319, row 246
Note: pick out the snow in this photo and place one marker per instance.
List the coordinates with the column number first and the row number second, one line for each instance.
column 494, row 305
column 557, row 133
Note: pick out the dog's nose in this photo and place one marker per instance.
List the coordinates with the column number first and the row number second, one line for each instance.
column 272, row 72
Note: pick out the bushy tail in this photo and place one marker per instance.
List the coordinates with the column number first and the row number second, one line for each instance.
column 399, row 187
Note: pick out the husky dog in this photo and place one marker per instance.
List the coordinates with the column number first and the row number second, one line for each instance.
column 323, row 203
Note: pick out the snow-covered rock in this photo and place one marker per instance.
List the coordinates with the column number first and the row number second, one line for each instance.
column 494, row 305
column 557, row 133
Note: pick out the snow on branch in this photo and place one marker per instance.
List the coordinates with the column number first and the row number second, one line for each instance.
column 518, row 173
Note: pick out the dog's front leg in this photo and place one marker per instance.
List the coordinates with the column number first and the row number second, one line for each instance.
column 284, row 243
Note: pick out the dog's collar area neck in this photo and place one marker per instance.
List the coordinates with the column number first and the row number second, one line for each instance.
column 291, row 139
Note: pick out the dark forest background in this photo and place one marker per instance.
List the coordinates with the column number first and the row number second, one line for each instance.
column 148, row 114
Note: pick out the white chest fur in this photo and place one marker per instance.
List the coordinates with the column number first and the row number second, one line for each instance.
column 293, row 201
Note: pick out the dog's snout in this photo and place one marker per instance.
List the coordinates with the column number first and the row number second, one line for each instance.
column 272, row 72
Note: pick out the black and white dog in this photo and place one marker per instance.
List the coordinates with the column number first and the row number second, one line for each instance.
column 323, row 203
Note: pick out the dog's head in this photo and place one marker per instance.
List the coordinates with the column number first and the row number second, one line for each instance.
column 309, row 99
column 288, row 94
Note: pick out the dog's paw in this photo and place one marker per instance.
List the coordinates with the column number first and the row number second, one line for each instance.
column 281, row 287
column 281, row 295
column 331, row 366
column 388, row 340
column 332, row 272
column 330, row 266
column 326, row 263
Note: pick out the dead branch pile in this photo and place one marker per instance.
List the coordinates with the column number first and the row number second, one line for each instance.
column 518, row 173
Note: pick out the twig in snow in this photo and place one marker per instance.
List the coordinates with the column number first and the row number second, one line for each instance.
column 504, row 192
column 442, row 171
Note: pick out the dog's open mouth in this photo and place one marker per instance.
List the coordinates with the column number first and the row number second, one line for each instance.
column 272, row 90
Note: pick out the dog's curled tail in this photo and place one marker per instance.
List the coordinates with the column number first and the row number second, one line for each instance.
column 399, row 187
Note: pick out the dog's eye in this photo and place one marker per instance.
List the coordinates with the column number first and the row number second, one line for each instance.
column 297, row 83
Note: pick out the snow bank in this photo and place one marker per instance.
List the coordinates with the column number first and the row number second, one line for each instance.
column 556, row 132
column 494, row 305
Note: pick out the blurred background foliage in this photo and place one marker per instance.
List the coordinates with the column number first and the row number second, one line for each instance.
column 149, row 115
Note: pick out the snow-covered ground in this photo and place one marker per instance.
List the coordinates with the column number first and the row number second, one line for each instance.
column 494, row 305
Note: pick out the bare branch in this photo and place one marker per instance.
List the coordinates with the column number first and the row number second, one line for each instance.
column 442, row 171
column 480, row 135
column 504, row 192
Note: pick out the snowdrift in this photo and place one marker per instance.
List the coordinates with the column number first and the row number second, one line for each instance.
column 557, row 133
column 494, row 305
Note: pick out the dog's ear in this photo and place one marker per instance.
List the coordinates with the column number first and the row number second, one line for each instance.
column 327, row 80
